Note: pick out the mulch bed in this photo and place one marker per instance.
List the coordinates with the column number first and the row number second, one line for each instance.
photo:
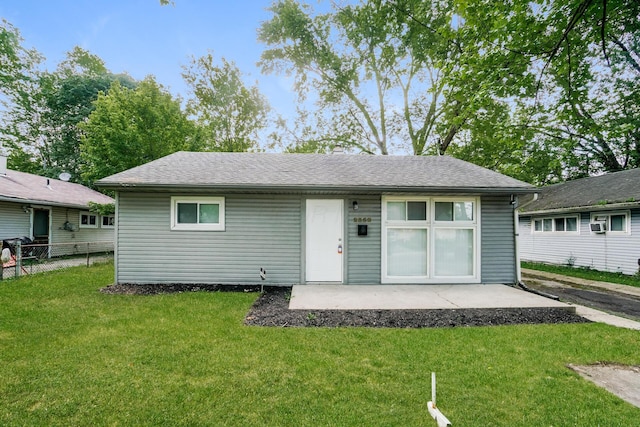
column 272, row 309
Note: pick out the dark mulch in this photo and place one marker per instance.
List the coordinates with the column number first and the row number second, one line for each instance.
column 272, row 309
column 136, row 289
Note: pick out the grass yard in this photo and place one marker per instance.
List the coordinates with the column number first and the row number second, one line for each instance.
column 70, row 355
column 585, row 273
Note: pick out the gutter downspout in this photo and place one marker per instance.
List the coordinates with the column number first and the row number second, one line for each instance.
column 516, row 236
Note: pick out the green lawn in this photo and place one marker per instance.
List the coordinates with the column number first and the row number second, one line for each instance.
column 70, row 355
column 585, row 273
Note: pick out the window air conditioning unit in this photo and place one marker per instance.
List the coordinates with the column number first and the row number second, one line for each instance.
column 598, row 227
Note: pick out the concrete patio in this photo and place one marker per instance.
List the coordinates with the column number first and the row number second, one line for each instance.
column 403, row 297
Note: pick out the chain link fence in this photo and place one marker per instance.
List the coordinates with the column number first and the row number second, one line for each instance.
column 20, row 259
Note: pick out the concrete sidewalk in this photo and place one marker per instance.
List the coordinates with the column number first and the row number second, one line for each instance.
column 403, row 297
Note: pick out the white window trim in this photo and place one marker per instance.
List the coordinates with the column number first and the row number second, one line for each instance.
column 417, row 223
column 597, row 216
column 107, row 216
column 553, row 225
column 89, row 214
column 197, row 227
column 405, row 279
column 431, row 225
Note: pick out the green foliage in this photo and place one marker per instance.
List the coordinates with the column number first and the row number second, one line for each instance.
column 42, row 128
column 74, row 356
column 581, row 57
column 130, row 127
column 102, row 208
column 540, row 91
column 17, row 64
column 387, row 74
column 228, row 114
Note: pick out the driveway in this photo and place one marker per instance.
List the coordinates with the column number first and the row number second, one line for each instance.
column 612, row 298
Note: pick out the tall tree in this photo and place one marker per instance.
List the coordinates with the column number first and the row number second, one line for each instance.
column 17, row 64
column 18, row 75
column 229, row 114
column 42, row 126
column 383, row 77
column 585, row 58
column 130, row 127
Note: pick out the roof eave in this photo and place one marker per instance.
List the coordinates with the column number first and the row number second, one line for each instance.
column 42, row 202
column 605, row 207
column 121, row 186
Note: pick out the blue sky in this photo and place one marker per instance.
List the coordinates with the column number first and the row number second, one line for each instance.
column 141, row 37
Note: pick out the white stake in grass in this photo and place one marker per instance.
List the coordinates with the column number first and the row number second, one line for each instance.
column 431, row 405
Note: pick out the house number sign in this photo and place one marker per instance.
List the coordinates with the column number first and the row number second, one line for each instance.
column 361, row 219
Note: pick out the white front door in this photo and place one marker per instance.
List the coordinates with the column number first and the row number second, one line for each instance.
column 325, row 243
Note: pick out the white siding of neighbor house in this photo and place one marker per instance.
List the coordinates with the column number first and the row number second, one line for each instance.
column 605, row 252
column 497, row 240
column 260, row 231
column 14, row 222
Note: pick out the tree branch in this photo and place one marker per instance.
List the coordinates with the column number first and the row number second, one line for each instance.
column 626, row 52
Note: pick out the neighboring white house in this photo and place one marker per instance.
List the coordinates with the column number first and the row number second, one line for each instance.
column 591, row 222
column 314, row 218
column 50, row 211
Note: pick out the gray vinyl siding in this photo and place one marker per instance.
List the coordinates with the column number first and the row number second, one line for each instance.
column 261, row 231
column 268, row 231
column 14, row 222
column 606, row 252
column 363, row 252
column 497, row 240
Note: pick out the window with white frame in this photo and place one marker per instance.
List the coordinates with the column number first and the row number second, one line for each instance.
column 197, row 213
column 557, row 224
column 406, row 235
column 615, row 222
column 454, row 235
column 107, row 221
column 429, row 238
column 88, row 220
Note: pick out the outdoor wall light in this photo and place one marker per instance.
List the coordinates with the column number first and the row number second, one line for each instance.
column 355, row 205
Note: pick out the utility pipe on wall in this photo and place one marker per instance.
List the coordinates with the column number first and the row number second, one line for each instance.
column 516, row 238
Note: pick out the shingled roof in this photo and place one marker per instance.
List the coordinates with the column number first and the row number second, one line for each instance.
column 24, row 187
column 313, row 172
column 618, row 188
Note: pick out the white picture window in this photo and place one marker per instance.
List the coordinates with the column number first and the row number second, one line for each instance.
column 197, row 213
column 454, row 247
column 429, row 239
column 88, row 220
column 107, row 221
column 407, row 238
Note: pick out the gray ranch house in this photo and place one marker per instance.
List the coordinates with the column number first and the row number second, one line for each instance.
column 590, row 222
column 50, row 211
column 219, row 218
